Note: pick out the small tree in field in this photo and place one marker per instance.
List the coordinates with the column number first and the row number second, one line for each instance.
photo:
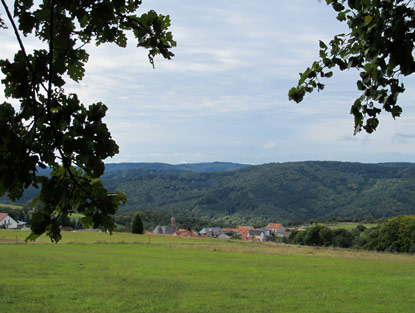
column 137, row 224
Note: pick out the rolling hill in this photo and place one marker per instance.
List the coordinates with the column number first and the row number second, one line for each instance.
column 230, row 193
column 276, row 191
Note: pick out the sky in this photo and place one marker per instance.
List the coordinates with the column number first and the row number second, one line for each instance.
column 223, row 97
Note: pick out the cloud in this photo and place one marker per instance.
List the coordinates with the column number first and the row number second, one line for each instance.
column 403, row 137
column 224, row 95
column 269, row 145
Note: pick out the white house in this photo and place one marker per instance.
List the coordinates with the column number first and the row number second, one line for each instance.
column 7, row 221
column 259, row 234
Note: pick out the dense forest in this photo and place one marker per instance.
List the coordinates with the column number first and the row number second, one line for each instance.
column 271, row 192
column 227, row 193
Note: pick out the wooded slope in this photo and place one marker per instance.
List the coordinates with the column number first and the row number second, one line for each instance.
column 277, row 191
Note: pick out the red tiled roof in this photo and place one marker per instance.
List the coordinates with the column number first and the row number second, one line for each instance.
column 272, row 226
column 230, row 229
column 3, row 216
column 243, row 229
column 183, row 232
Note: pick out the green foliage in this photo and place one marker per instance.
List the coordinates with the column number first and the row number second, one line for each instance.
column 297, row 237
column 328, row 192
column 318, row 235
column 137, row 224
column 17, row 213
column 54, row 129
column 265, row 193
column 322, row 235
column 342, row 238
column 361, row 227
column 379, row 45
column 395, row 235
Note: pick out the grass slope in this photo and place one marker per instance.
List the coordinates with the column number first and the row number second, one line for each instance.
column 197, row 275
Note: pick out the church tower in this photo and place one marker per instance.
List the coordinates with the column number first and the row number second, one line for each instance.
column 173, row 222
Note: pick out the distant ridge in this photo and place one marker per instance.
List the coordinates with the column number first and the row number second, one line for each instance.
column 186, row 167
column 235, row 193
column 274, row 191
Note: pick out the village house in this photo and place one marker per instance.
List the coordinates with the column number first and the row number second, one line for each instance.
column 245, row 228
column 231, row 232
column 211, row 231
column 243, row 232
column 277, row 230
column 257, row 235
column 7, row 221
column 224, row 236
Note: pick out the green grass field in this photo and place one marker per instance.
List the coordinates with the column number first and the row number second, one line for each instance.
column 349, row 226
column 95, row 272
column 13, row 206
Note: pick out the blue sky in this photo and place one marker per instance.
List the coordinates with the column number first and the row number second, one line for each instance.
column 224, row 96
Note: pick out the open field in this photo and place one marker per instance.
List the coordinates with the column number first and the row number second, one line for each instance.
column 350, row 226
column 197, row 275
column 13, row 206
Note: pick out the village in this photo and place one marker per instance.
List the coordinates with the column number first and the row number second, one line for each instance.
column 271, row 231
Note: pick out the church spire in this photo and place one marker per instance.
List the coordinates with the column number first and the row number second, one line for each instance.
column 172, row 220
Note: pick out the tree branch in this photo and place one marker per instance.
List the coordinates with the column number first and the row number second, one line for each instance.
column 19, row 39
column 51, row 39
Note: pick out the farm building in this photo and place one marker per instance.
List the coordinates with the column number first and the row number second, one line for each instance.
column 277, row 229
column 211, row 231
column 257, row 235
column 7, row 221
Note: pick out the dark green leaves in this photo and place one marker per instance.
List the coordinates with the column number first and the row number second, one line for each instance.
column 338, row 7
column 151, row 33
column 379, row 44
column 296, row 94
column 69, row 191
column 53, row 129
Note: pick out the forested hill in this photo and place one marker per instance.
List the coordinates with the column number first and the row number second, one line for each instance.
column 256, row 194
column 131, row 168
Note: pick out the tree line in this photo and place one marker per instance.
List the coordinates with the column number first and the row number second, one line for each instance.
column 397, row 234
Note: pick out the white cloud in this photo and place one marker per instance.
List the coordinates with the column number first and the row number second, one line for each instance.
column 224, row 95
column 269, row 145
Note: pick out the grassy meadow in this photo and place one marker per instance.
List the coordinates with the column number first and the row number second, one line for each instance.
column 13, row 206
column 95, row 272
column 350, row 226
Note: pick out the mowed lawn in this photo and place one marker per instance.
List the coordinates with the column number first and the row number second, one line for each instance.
column 179, row 275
